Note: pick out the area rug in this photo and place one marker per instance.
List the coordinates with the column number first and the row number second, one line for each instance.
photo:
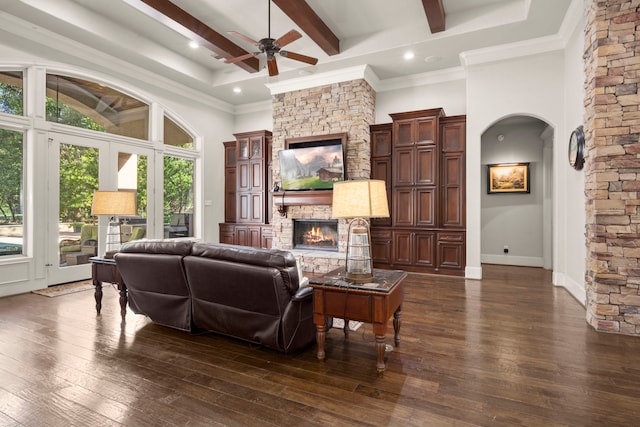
column 68, row 288
column 339, row 324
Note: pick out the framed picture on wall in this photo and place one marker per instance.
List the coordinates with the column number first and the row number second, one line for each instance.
column 508, row 178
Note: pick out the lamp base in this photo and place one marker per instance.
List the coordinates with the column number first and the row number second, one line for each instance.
column 359, row 277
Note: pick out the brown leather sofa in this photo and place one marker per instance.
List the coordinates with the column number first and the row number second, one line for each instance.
column 248, row 293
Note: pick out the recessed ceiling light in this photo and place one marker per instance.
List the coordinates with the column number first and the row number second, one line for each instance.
column 237, row 89
column 430, row 59
column 193, row 44
column 409, row 55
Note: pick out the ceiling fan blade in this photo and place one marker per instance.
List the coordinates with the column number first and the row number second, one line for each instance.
column 272, row 65
column 299, row 57
column 291, row 36
column 240, row 58
column 243, row 37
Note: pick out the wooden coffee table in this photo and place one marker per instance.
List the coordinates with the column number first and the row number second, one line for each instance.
column 373, row 303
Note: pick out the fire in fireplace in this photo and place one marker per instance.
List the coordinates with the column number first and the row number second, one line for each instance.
column 315, row 234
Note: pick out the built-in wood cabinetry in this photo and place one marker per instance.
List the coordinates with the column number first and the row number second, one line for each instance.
column 247, row 185
column 421, row 156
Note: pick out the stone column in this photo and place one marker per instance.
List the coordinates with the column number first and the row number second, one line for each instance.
column 612, row 167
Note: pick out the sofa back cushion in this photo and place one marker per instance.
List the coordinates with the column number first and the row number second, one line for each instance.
column 154, row 274
column 283, row 261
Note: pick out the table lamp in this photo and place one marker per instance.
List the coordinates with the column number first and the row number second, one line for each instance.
column 113, row 203
column 359, row 199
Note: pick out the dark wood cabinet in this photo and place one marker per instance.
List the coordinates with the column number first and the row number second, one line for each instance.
column 247, row 190
column 230, row 181
column 421, row 156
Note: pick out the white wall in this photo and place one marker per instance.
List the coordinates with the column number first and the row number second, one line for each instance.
column 449, row 95
column 514, row 220
column 574, row 202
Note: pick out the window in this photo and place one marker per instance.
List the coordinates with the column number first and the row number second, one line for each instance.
column 175, row 135
column 11, row 99
column 178, row 196
column 89, row 105
column 11, row 191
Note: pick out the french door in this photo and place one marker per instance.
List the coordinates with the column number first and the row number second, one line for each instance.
column 80, row 166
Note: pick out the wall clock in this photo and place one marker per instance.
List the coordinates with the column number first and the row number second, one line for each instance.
column 576, row 148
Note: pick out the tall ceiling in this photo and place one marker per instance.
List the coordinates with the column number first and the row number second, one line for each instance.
column 154, row 35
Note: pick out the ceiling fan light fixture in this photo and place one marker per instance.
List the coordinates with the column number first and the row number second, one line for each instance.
column 270, row 48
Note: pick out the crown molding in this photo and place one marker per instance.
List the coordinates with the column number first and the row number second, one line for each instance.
column 423, row 79
column 254, row 107
column 322, row 79
column 512, row 50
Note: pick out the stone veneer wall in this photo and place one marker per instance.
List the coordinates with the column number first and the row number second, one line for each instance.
column 612, row 168
column 336, row 108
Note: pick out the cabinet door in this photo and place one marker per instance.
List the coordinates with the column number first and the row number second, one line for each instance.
column 243, row 213
column 424, row 249
column 257, row 178
column 426, row 165
column 243, row 148
column 403, row 207
column 425, row 130
column 243, row 170
column 242, row 236
column 403, row 165
column 255, row 240
column 453, row 135
column 426, row 207
column 381, row 142
column 227, row 233
column 230, row 195
column 453, row 198
column 266, row 237
column 256, row 207
column 381, row 246
column 402, row 247
column 403, row 132
column 256, row 147
column 230, row 154
column 451, row 252
column 381, row 169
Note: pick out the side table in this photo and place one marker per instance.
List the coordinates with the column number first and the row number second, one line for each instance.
column 106, row 270
column 373, row 303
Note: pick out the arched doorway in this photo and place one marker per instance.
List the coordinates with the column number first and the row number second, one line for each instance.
column 516, row 223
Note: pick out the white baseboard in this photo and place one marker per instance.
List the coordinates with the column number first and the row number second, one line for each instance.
column 512, row 260
column 576, row 289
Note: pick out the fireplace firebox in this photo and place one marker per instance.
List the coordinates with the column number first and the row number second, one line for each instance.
column 315, row 234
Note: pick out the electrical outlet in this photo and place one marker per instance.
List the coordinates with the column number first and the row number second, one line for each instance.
column 506, row 249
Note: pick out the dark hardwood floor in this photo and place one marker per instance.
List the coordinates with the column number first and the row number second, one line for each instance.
column 508, row 350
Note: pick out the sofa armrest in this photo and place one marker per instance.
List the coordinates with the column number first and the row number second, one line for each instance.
column 303, row 294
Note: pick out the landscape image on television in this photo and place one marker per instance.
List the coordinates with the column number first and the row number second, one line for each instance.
column 311, row 168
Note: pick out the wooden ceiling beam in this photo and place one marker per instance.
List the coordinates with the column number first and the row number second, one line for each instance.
column 435, row 15
column 181, row 21
column 309, row 22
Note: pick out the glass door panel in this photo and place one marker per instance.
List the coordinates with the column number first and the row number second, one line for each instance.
column 73, row 231
column 178, row 197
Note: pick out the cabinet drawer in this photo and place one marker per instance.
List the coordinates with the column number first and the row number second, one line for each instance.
column 451, row 237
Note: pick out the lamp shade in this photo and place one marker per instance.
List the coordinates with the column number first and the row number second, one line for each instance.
column 360, row 198
column 114, row 203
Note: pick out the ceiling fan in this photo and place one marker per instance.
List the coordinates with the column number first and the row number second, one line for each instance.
column 272, row 47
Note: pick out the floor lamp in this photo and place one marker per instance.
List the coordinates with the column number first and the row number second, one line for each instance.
column 359, row 199
column 113, row 203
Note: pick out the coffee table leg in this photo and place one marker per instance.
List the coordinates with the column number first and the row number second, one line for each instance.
column 320, row 336
column 397, row 322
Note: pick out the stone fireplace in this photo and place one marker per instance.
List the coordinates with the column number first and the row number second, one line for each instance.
column 315, row 234
column 345, row 107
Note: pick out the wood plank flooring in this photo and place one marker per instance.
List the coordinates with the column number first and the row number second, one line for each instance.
column 505, row 351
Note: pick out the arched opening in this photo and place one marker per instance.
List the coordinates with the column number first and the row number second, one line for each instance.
column 516, row 220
